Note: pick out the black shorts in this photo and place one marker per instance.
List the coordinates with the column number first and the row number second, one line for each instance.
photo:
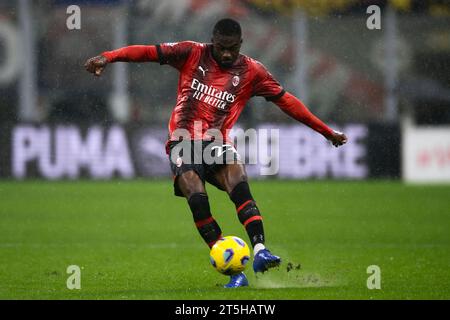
column 203, row 157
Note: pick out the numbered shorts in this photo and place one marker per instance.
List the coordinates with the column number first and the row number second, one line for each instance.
column 203, row 157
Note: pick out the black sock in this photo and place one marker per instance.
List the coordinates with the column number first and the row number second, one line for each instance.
column 208, row 228
column 248, row 212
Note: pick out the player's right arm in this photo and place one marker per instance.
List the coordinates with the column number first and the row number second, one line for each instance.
column 174, row 54
column 137, row 53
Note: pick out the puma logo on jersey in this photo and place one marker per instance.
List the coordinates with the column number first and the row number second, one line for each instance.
column 203, row 70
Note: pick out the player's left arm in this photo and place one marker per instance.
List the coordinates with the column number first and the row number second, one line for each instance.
column 292, row 106
column 266, row 86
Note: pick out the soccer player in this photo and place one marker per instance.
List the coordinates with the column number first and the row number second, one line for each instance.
column 215, row 83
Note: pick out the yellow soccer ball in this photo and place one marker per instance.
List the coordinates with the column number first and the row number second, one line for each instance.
column 230, row 255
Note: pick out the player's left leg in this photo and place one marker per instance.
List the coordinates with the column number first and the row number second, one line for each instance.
column 233, row 179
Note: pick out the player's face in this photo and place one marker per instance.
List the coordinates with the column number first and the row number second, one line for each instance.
column 226, row 49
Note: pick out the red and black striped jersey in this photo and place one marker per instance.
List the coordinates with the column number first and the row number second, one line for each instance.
column 209, row 96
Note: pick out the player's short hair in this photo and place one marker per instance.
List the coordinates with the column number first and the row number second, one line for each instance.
column 227, row 27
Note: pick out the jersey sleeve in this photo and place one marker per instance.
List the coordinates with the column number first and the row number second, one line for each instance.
column 175, row 54
column 265, row 85
column 136, row 53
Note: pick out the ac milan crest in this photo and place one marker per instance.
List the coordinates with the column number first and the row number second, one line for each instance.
column 179, row 162
column 235, row 81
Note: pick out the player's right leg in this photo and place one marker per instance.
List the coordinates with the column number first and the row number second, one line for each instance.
column 189, row 182
column 194, row 191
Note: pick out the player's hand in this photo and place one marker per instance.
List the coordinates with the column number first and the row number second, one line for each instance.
column 338, row 138
column 96, row 65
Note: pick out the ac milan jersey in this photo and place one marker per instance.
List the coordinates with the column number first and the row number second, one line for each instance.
column 209, row 96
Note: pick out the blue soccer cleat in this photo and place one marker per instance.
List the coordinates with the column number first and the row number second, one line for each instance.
column 264, row 260
column 237, row 280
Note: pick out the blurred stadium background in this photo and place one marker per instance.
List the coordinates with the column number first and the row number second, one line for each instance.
column 380, row 86
column 388, row 89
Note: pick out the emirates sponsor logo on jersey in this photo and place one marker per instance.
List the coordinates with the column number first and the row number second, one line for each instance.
column 211, row 95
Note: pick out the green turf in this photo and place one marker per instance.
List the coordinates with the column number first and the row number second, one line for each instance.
column 135, row 240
